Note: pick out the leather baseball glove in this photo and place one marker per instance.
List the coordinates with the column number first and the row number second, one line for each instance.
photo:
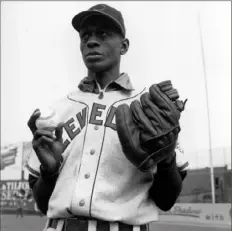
column 148, row 130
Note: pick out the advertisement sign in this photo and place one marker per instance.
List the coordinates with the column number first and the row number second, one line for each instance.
column 27, row 150
column 218, row 214
column 14, row 193
column 11, row 162
column 8, row 157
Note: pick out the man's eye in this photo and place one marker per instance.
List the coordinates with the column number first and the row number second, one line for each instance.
column 103, row 33
column 84, row 36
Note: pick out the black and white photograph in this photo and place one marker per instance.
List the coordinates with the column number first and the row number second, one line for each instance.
column 115, row 116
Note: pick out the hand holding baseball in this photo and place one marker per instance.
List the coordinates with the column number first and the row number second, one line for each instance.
column 47, row 145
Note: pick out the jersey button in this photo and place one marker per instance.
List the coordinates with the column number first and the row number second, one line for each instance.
column 87, row 175
column 92, row 151
column 96, row 127
column 82, row 203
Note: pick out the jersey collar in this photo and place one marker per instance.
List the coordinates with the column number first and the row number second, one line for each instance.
column 88, row 84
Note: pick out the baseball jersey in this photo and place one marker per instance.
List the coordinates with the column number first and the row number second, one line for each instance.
column 96, row 179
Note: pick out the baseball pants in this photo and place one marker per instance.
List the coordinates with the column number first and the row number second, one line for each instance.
column 76, row 224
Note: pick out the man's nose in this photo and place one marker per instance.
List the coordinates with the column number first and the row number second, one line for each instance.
column 92, row 42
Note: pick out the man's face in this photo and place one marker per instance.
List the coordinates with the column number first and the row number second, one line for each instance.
column 101, row 43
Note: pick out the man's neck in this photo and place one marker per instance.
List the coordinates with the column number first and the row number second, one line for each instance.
column 104, row 78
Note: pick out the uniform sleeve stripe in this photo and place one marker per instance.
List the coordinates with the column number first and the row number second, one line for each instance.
column 32, row 171
column 183, row 167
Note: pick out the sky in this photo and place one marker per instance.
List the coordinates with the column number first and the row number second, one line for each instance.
column 41, row 62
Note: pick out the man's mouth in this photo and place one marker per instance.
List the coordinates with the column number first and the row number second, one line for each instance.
column 93, row 56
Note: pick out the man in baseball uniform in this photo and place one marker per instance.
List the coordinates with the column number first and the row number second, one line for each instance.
column 94, row 167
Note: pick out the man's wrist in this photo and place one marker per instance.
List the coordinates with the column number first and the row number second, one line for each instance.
column 167, row 163
column 46, row 175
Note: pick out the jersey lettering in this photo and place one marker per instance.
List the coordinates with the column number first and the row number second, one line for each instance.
column 72, row 130
column 65, row 144
column 110, row 117
column 95, row 112
column 69, row 127
column 82, row 118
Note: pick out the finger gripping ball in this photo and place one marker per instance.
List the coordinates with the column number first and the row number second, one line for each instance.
column 48, row 118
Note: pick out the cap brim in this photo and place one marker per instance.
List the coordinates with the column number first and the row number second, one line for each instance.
column 79, row 18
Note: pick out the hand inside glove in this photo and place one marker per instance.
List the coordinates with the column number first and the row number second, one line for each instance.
column 148, row 130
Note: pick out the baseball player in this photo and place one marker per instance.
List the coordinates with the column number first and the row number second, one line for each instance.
column 20, row 205
column 107, row 157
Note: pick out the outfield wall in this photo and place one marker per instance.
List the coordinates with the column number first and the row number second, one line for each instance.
column 211, row 214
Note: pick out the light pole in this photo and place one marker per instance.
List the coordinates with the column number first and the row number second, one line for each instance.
column 208, row 114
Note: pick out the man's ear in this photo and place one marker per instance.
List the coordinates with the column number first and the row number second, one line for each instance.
column 125, row 46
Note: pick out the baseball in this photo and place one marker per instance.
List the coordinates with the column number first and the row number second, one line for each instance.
column 48, row 118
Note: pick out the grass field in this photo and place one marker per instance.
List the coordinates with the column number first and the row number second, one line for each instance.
column 36, row 223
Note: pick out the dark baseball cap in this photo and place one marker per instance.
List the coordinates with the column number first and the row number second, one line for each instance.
column 104, row 10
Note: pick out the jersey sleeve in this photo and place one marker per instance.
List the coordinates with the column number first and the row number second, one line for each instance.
column 181, row 160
